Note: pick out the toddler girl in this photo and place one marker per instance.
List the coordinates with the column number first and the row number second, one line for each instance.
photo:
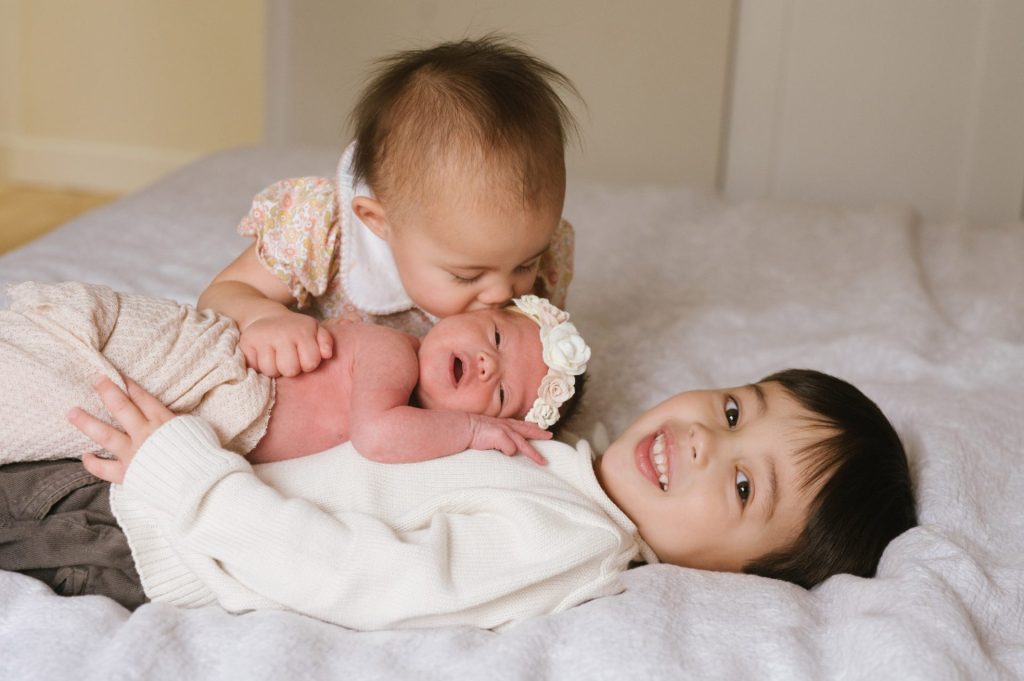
column 449, row 200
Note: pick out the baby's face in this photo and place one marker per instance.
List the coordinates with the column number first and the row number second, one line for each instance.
column 485, row 362
column 710, row 477
column 463, row 251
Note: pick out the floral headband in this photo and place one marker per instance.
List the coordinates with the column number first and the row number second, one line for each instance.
column 565, row 353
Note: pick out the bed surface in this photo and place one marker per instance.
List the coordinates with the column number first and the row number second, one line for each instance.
column 675, row 289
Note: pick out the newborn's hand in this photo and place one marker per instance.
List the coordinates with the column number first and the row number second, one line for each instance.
column 138, row 412
column 508, row 436
column 285, row 344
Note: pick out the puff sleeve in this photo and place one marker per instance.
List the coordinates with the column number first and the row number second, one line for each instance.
column 296, row 227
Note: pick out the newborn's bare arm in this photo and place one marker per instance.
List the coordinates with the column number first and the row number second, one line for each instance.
column 405, row 434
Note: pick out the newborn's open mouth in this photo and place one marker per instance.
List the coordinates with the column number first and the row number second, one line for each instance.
column 457, row 371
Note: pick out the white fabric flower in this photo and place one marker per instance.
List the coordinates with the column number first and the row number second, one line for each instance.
column 556, row 388
column 565, row 353
column 565, row 350
column 541, row 310
column 543, row 413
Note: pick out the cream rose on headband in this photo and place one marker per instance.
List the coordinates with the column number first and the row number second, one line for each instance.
column 564, row 349
column 565, row 353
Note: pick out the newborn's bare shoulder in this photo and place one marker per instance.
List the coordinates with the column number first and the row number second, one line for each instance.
column 369, row 333
column 380, row 351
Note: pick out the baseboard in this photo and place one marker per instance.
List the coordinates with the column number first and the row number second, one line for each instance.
column 85, row 165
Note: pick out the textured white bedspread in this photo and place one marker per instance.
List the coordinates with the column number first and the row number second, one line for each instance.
column 675, row 289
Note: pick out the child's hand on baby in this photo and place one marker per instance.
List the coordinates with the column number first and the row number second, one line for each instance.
column 138, row 412
column 285, row 344
column 508, row 436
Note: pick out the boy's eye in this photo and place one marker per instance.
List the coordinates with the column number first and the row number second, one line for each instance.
column 501, row 395
column 497, row 338
column 742, row 487
column 732, row 412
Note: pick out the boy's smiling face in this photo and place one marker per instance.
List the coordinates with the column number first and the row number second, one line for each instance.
column 486, row 362
column 469, row 247
column 711, row 477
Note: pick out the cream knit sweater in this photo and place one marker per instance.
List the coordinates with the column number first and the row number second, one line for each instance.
column 55, row 338
column 476, row 538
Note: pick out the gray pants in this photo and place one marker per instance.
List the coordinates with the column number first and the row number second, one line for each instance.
column 56, row 525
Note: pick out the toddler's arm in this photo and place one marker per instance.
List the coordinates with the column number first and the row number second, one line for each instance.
column 276, row 341
column 383, row 427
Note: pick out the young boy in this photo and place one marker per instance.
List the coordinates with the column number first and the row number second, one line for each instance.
column 449, row 200
column 799, row 476
column 470, row 381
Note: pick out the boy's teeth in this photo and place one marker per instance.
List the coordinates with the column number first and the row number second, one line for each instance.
column 659, row 459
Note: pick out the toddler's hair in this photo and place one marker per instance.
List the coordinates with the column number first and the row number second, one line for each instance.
column 865, row 499
column 484, row 104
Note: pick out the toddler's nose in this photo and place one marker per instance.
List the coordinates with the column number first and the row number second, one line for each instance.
column 497, row 293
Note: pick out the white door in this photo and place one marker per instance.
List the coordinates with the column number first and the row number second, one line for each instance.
column 878, row 101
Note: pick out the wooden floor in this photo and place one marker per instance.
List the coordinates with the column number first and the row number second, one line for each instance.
column 28, row 211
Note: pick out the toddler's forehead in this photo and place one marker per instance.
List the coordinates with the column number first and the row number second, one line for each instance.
column 487, row 186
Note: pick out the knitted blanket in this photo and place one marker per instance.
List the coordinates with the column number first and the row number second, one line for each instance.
column 55, row 338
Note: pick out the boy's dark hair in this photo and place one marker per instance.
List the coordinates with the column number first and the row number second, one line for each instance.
column 865, row 499
column 474, row 101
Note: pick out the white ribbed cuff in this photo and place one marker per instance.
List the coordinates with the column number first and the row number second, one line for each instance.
column 178, row 462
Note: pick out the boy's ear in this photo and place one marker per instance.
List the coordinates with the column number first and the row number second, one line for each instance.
column 371, row 212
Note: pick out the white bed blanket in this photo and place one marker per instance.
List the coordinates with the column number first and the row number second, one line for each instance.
column 675, row 289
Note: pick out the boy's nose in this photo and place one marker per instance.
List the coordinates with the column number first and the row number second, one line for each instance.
column 699, row 445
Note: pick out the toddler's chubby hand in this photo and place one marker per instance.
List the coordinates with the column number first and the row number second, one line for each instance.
column 285, row 344
column 138, row 412
column 508, row 436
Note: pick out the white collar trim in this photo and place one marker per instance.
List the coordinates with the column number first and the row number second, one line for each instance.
column 369, row 274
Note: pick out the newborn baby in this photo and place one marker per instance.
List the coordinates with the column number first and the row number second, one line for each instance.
column 465, row 386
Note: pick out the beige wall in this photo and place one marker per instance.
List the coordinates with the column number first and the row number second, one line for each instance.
column 913, row 102
column 8, row 73
column 110, row 94
column 653, row 73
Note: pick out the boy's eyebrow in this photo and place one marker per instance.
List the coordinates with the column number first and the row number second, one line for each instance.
column 773, row 489
column 773, row 478
column 762, row 402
